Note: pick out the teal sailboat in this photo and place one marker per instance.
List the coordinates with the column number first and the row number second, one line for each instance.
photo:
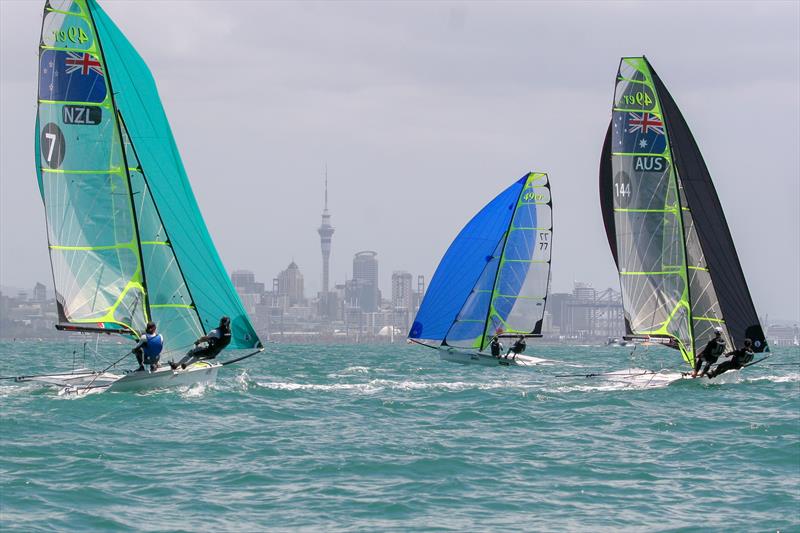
column 493, row 280
column 127, row 242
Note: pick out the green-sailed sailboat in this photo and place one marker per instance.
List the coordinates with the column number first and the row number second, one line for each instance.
column 682, row 282
column 127, row 242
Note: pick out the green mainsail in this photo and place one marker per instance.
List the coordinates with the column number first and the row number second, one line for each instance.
column 127, row 241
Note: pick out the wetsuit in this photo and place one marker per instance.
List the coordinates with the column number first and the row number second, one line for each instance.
column 738, row 359
column 218, row 340
column 148, row 350
column 518, row 347
column 710, row 354
column 496, row 347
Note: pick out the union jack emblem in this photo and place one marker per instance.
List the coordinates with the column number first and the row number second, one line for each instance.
column 83, row 62
column 644, row 122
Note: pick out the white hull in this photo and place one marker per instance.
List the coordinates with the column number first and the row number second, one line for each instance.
column 200, row 373
column 464, row 357
column 647, row 378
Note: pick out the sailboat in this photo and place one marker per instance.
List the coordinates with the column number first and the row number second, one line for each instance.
column 127, row 242
column 680, row 275
column 493, row 280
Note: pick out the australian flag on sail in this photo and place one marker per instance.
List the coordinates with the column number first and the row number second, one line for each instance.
column 71, row 77
column 638, row 133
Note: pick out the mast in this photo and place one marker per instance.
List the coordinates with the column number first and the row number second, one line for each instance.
column 496, row 275
column 158, row 213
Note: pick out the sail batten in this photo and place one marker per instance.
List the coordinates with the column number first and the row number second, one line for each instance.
column 658, row 231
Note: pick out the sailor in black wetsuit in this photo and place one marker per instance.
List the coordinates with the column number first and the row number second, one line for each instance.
column 216, row 341
column 518, row 347
column 738, row 359
column 710, row 353
column 496, row 346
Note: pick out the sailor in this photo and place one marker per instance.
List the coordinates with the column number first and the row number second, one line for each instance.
column 710, row 353
column 518, row 347
column 738, row 359
column 216, row 341
column 148, row 349
column 496, row 346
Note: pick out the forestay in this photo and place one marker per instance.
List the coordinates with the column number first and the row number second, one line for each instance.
column 126, row 238
column 494, row 277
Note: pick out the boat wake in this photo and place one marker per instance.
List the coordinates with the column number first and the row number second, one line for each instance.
column 378, row 385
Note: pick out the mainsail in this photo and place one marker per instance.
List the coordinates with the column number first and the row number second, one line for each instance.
column 678, row 268
column 126, row 238
column 495, row 275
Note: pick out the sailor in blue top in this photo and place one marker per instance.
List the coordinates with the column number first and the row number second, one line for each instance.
column 148, row 349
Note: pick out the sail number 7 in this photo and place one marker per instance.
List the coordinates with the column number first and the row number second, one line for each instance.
column 53, row 145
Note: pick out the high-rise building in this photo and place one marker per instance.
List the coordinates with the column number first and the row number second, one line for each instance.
column 39, row 292
column 325, row 234
column 401, row 290
column 365, row 281
column 242, row 278
column 402, row 299
column 290, row 285
column 250, row 291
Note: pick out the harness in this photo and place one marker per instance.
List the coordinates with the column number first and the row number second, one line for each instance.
column 216, row 345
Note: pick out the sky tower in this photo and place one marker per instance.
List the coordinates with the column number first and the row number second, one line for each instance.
column 325, row 233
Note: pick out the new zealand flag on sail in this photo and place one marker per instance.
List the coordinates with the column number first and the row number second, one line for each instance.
column 638, row 133
column 71, row 77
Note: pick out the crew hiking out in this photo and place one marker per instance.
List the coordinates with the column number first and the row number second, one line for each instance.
column 517, row 348
column 710, row 353
column 738, row 358
column 216, row 340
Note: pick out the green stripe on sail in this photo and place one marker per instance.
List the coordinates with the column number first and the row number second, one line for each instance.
column 680, row 316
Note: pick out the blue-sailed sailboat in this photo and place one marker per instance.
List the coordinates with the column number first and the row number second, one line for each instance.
column 126, row 239
column 493, row 280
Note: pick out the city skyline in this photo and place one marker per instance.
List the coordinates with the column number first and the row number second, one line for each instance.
column 418, row 137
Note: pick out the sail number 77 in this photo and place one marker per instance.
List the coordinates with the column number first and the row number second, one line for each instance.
column 544, row 237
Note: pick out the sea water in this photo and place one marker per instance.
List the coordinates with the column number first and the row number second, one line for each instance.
column 388, row 437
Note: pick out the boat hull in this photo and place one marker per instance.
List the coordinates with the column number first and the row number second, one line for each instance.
column 200, row 373
column 465, row 357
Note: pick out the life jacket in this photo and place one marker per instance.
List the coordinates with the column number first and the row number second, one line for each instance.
column 742, row 356
column 152, row 346
column 718, row 348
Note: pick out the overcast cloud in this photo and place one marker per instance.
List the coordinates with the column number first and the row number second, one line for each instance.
column 425, row 111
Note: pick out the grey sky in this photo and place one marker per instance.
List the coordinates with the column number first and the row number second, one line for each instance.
column 425, row 111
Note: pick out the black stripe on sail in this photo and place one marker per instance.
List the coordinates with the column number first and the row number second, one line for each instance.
column 712, row 228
